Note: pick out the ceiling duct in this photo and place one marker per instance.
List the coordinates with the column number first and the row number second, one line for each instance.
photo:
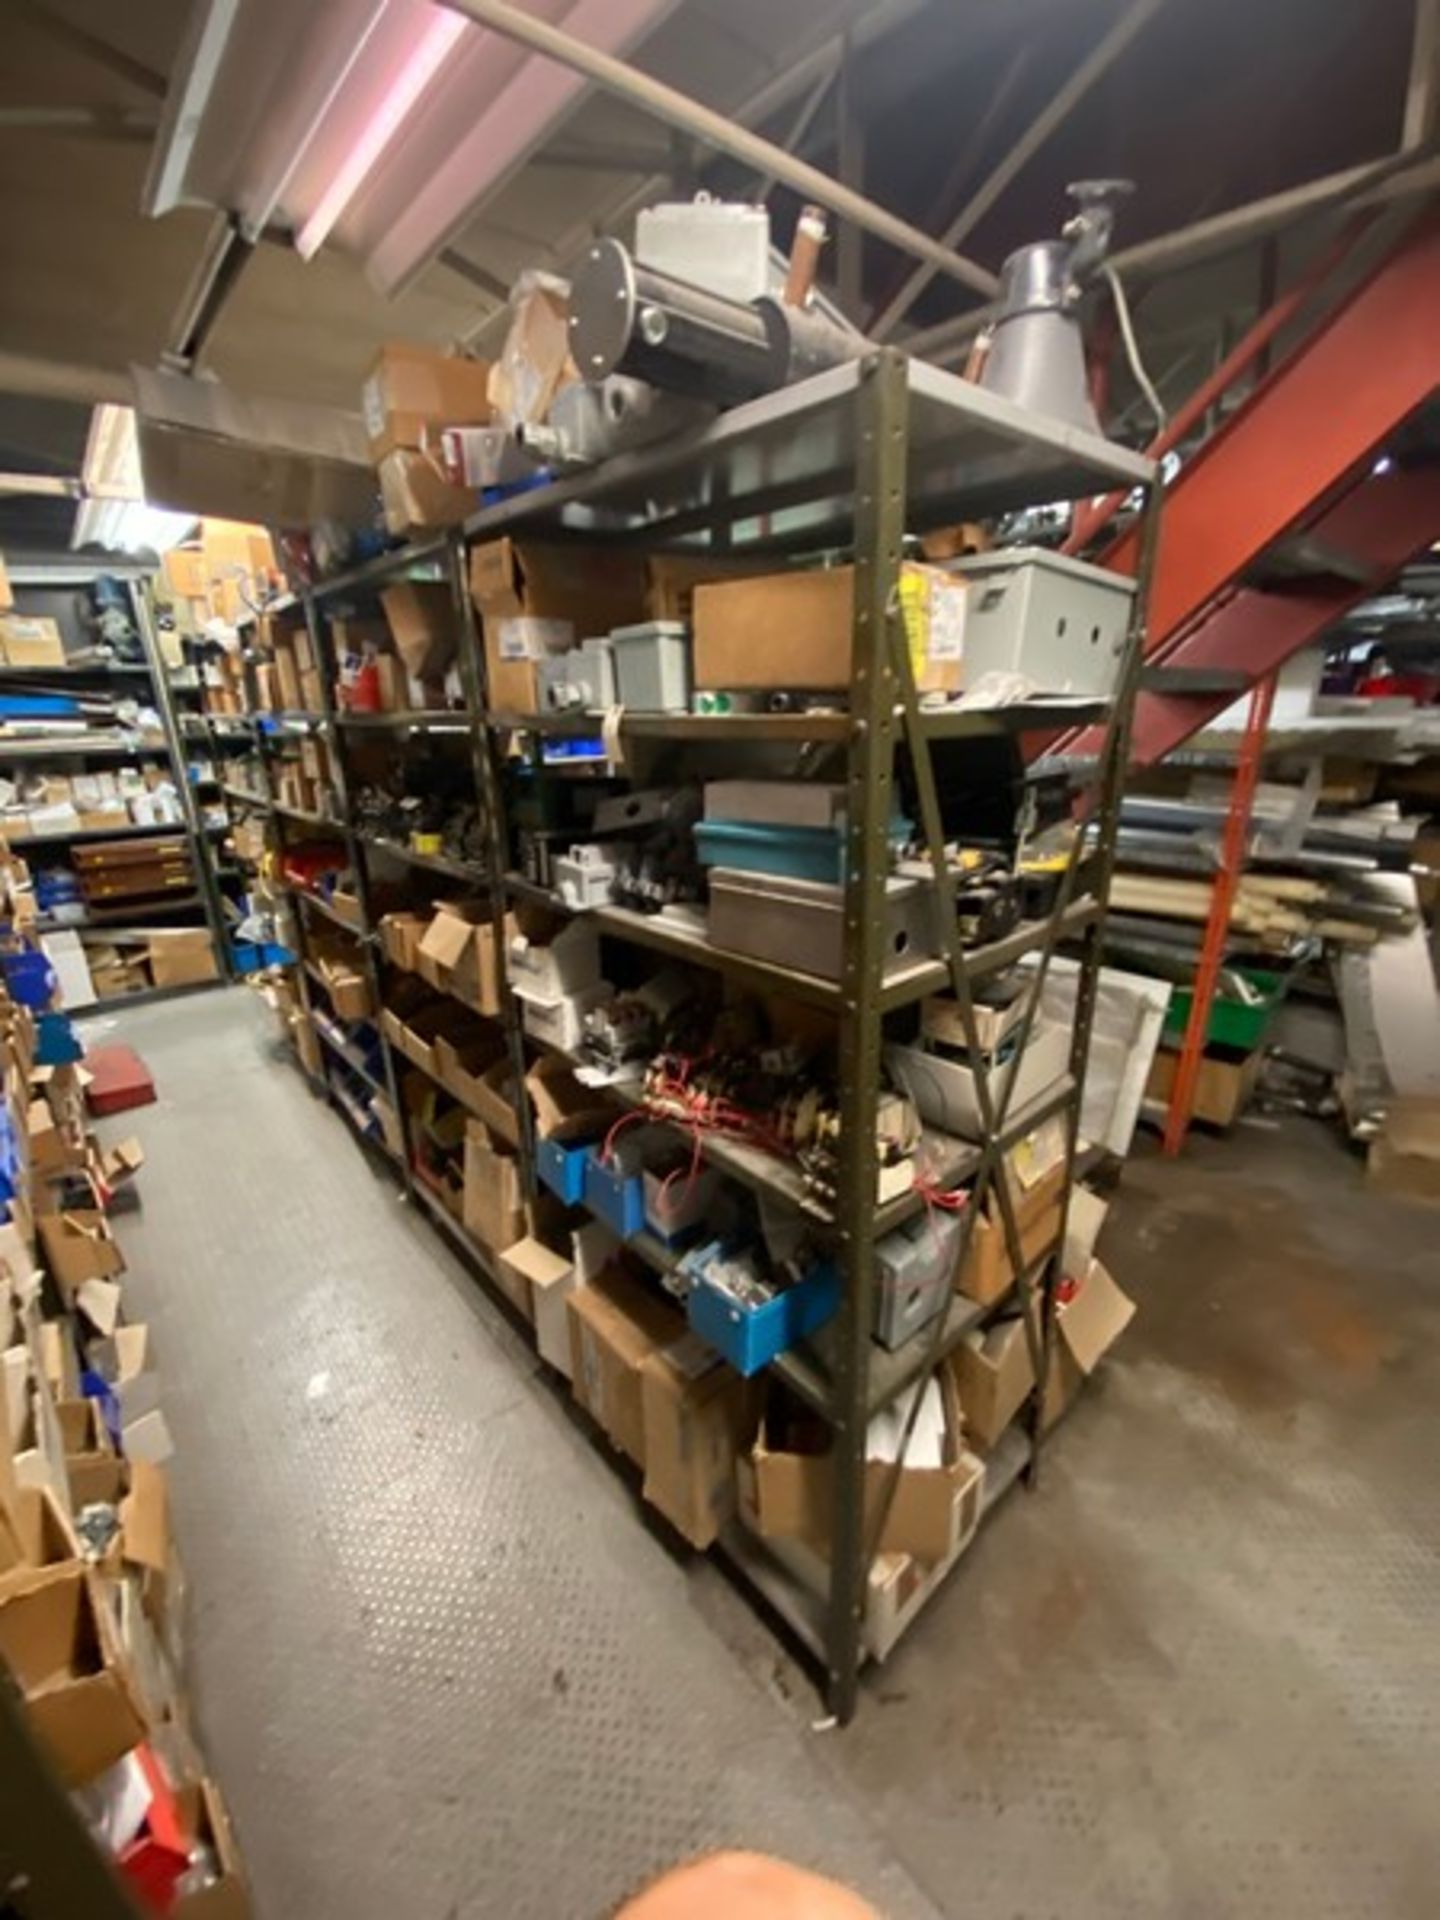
column 206, row 451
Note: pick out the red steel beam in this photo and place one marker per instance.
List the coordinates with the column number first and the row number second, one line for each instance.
column 1384, row 521
column 1318, row 419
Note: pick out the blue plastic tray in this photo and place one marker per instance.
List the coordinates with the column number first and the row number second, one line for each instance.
column 751, row 1337
column 618, row 1199
column 798, row 853
column 562, row 1168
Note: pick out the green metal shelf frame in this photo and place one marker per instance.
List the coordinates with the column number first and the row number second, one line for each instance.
column 882, row 448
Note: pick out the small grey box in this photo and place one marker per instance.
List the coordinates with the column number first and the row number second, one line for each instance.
column 914, row 1275
column 1060, row 622
column 652, row 666
column 801, row 923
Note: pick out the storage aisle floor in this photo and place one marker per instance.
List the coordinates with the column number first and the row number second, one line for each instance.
column 445, row 1670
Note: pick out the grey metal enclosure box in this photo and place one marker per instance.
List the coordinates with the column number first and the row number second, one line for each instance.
column 1060, row 622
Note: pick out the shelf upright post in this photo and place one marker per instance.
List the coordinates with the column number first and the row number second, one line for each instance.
column 170, row 726
column 490, row 790
column 322, row 647
column 1114, row 767
column 880, row 473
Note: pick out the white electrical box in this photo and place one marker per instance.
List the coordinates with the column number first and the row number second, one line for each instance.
column 720, row 245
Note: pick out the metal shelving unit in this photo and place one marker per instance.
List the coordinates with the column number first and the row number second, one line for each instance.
column 856, row 457
column 121, row 745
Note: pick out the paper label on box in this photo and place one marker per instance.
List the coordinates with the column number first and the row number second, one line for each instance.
column 1039, row 1152
column 523, row 637
column 946, row 637
column 372, row 406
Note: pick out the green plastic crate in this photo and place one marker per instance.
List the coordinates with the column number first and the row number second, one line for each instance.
column 1232, row 1022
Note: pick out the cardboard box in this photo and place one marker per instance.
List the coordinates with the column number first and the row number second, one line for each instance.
column 932, row 1507
column 184, row 569
column 549, row 1279
column 537, row 599
column 287, row 679
column 671, row 580
column 564, row 1108
column 694, row 1415
column 993, row 1372
column 183, row 958
column 474, row 1066
column 57, row 1639
column 7, row 597
column 994, row 1376
column 535, row 360
column 615, row 1325
column 985, row 1273
column 418, row 1036
column 227, row 1897
column 1405, row 1158
column 400, row 936
column 1222, row 1088
column 421, row 618
column 35, row 1537
column 494, row 1206
column 449, row 952
column 78, row 1246
column 796, row 629
column 412, row 387
column 30, row 641
column 416, row 496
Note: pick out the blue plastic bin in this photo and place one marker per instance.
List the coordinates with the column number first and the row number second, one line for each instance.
column 30, row 977
column 255, row 956
column 751, row 1337
column 798, row 853
column 617, row 1198
column 562, row 1167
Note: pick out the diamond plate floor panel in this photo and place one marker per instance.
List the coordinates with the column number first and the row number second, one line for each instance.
column 443, row 1668
column 440, row 1668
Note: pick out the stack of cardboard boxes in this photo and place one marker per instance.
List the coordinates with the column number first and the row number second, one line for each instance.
column 412, row 394
column 91, row 1587
column 226, row 576
column 56, row 804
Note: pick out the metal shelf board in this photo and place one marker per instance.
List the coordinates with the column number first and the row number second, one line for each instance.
column 1025, row 716
column 412, row 720
column 306, row 819
column 139, row 914
column 381, row 571
column 324, row 908
column 99, row 669
column 172, row 830
column 72, row 746
column 796, row 729
column 334, row 1038
column 791, row 455
column 933, row 976
column 244, row 799
column 431, row 862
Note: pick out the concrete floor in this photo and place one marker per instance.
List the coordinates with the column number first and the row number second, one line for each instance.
column 443, row 1668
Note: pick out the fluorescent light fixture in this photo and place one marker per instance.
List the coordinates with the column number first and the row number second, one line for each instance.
column 426, row 60
column 128, row 526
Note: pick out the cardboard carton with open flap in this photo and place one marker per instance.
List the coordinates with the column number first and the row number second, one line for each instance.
column 57, row 1639
column 794, row 1488
column 494, row 1199
column 535, row 599
column 449, row 951
column 77, row 1246
column 697, row 1413
column 993, row 1370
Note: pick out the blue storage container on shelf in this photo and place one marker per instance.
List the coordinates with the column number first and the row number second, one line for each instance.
column 751, row 1337
column 798, row 853
column 561, row 1165
column 30, row 977
column 616, row 1197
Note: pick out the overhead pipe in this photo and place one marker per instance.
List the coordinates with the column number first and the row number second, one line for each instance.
column 690, row 116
